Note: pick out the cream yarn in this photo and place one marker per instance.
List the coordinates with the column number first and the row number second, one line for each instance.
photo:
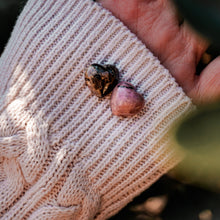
column 63, row 155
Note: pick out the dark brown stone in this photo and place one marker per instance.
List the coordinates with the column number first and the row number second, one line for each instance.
column 125, row 100
column 101, row 79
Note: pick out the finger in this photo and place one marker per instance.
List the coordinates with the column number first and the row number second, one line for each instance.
column 188, row 50
column 201, row 44
column 207, row 86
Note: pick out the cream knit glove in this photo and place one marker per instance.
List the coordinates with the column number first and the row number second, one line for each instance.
column 63, row 155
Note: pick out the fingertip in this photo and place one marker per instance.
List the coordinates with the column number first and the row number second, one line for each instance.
column 207, row 85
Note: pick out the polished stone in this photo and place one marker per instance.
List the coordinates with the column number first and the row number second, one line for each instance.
column 125, row 100
column 101, row 79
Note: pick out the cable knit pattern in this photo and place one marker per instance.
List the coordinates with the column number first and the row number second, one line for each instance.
column 63, row 155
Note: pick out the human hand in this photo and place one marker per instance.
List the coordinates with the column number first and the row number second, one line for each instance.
column 178, row 48
column 63, row 155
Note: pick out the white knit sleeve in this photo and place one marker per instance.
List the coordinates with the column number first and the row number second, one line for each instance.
column 63, row 155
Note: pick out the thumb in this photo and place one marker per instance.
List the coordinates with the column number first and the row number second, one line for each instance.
column 207, row 85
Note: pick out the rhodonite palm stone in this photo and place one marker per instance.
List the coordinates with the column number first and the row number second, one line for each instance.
column 125, row 100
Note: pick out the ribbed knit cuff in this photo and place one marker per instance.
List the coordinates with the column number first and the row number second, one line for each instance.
column 70, row 157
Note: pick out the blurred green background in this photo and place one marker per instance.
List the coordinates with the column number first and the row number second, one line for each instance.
column 189, row 192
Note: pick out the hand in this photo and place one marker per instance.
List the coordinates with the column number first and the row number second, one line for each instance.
column 178, row 48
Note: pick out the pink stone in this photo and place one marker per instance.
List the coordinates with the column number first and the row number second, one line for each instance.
column 125, row 101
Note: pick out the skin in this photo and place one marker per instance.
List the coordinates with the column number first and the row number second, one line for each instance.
column 179, row 49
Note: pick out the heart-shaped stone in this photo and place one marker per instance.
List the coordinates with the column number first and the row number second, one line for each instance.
column 125, row 100
column 101, row 79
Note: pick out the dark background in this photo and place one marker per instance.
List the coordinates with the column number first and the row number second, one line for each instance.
column 171, row 198
column 9, row 11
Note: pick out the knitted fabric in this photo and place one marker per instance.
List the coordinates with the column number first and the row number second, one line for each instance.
column 63, row 155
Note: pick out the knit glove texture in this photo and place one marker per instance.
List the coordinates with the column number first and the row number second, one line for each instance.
column 63, row 155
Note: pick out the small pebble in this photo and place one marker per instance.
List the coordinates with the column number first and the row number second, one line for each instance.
column 101, row 79
column 205, row 215
column 125, row 101
column 155, row 205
